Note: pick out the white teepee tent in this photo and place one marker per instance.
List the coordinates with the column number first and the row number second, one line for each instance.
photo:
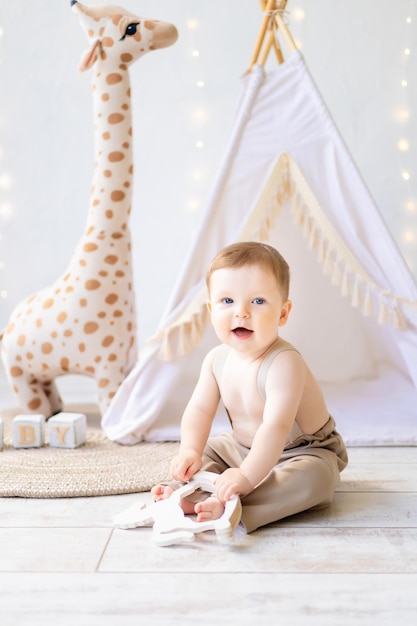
column 287, row 178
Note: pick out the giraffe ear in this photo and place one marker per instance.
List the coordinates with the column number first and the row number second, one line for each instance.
column 89, row 56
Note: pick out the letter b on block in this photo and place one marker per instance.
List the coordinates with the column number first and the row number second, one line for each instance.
column 28, row 431
column 67, row 430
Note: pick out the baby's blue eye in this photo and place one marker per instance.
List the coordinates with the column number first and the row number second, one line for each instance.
column 259, row 301
column 227, row 300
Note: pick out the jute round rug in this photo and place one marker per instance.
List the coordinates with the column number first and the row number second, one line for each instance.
column 99, row 467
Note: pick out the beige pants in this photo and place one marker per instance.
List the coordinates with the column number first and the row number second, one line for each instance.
column 305, row 476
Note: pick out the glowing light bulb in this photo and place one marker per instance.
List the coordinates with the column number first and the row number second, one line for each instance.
column 200, row 83
column 6, row 211
column 192, row 24
column 200, row 115
column 403, row 145
column 406, row 175
column 193, row 205
column 409, row 236
column 407, row 52
column 195, row 53
column 401, row 115
column 408, row 20
column 3, row 294
column 298, row 14
column 197, row 175
column 2, row 265
column 1, row 32
column 411, row 206
column 5, row 181
column 199, row 144
column 404, row 83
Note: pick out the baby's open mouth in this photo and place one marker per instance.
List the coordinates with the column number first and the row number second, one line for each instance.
column 242, row 332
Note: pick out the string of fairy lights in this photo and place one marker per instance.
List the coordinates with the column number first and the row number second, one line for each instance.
column 200, row 124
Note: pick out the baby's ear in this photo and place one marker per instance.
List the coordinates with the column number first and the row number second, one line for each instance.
column 285, row 312
column 90, row 56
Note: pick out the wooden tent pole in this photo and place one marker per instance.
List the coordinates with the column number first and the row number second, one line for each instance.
column 267, row 5
column 270, row 9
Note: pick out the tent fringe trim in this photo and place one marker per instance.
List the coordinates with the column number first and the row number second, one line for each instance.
column 286, row 185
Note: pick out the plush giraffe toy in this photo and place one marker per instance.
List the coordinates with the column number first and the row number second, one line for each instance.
column 85, row 322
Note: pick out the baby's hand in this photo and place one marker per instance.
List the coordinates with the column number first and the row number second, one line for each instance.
column 232, row 482
column 185, row 464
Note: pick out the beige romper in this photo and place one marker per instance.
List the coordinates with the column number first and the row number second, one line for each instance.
column 305, row 476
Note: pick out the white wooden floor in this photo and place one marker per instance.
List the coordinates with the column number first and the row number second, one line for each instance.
column 62, row 562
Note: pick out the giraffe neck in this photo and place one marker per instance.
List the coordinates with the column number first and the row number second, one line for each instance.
column 111, row 193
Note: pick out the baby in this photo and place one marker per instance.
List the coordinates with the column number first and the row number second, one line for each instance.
column 283, row 454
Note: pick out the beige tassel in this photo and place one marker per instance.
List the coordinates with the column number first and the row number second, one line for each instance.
column 368, row 307
column 356, row 293
column 336, row 274
column 398, row 318
column 383, row 315
column 345, row 288
column 328, row 264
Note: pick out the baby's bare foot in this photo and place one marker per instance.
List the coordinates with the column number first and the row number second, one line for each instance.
column 161, row 492
column 210, row 509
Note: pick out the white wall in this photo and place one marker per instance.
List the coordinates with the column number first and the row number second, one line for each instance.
column 354, row 49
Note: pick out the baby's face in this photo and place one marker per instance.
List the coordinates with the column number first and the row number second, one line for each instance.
column 246, row 307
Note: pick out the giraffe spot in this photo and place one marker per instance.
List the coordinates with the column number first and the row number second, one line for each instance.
column 90, row 230
column 116, row 235
column 90, row 247
column 112, row 298
column 69, row 289
column 83, row 302
column 109, row 214
column 46, row 347
column 97, row 359
column 96, row 202
column 111, row 259
column 103, row 273
column 81, row 347
column 107, row 173
column 54, row 334
column 126, row 144
column 10, row 329
column 119, row 273
column 105, row 97
column 29, row 356
column 48, row 303
column 117, row 195
column 82, row 263
column 125, row 107
column 62, row 317
column 90, row 369
column 111, row 394
column 118, row 313
column 103, row 382
column 34, row 404
column 68, row 333
column 113, row 78
column 101, row 314
column 90, row 327
column 107, row 41
column 106, row 135
column 21, row 340
column 112, row 357
column 122, row 66
column 38, row 323
column 149, row 24
column 64, row 364
column 107, row 341
column 116, row 156
column 92, row 284
column 115, row 118
column 15, row 371
column 18, row 358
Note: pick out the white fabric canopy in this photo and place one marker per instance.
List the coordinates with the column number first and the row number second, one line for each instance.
column 288, row 178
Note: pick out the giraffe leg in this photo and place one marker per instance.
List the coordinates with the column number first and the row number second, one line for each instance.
column 52, row 393
column 31, row 395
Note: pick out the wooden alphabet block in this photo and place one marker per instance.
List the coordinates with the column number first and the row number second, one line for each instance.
column 67, row 430
column 29, row 431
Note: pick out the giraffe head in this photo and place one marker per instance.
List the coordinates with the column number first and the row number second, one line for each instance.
column 117, row 36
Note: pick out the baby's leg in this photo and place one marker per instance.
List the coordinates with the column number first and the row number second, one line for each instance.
column 164, row 491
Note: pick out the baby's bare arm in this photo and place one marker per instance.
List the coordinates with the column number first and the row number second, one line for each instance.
column 196, row 423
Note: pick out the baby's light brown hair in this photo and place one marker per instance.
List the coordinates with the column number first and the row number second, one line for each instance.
column 253, row 253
